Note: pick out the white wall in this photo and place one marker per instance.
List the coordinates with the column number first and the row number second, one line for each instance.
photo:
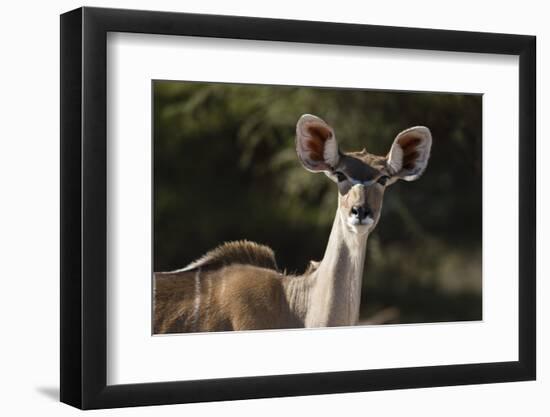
column 29, row 174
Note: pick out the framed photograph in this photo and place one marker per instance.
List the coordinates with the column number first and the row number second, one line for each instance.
column 257, row 208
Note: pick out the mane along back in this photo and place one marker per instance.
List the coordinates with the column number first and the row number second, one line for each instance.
column 238, row 252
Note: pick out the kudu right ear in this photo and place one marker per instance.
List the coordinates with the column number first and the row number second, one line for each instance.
column 409, row 154
column 316, row 144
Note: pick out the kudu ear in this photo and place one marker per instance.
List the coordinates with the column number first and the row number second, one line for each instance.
column 409, row 154
column 316, row 144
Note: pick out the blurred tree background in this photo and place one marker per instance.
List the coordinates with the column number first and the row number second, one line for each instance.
column 225, row 168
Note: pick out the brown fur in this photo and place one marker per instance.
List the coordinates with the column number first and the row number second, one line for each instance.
column 236, row 279
column 235, row 297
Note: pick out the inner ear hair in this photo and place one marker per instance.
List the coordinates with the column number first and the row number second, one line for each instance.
column 410, row 153
column 318, row 136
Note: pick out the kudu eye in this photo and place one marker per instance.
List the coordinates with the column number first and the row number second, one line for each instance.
column 383, row 179
column 340, row 176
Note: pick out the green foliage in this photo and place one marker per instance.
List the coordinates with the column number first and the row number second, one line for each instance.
column 225, row 168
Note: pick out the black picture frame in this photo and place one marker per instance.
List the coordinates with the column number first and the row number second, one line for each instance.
column 84, row 207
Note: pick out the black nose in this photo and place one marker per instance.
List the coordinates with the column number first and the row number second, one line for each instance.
column 360, row 212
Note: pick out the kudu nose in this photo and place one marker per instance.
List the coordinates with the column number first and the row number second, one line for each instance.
column 360, row 212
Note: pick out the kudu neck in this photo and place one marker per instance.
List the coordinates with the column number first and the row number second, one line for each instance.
column 335, row 286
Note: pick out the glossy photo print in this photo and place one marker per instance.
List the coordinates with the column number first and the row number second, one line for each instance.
column 287, row 207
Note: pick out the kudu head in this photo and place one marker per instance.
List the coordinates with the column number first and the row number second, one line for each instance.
column 361, row 177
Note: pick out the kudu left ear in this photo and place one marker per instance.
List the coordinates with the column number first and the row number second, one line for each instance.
column 316, row 144
column 409, row 154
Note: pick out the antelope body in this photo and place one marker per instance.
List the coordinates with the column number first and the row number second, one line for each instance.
column 238, row 285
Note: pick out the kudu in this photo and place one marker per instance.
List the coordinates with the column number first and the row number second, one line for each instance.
column 238, row 286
